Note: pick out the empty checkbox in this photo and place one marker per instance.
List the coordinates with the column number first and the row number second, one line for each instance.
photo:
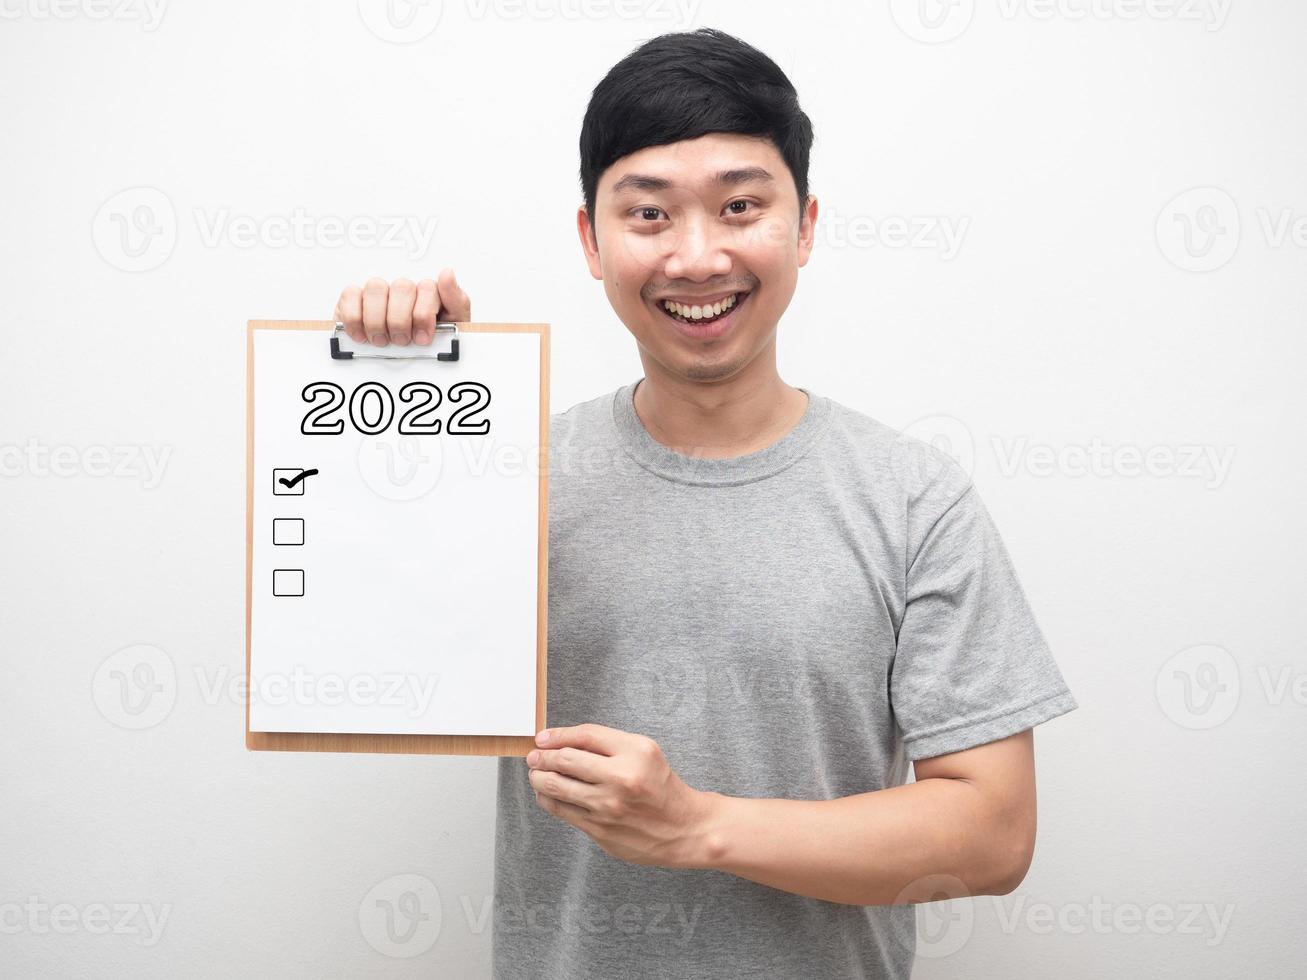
column 288, row 581
column 288, row 530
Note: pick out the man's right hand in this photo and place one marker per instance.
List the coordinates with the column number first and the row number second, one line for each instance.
column 402, row 311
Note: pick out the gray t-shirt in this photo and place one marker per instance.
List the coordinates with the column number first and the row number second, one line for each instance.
column 801, row 622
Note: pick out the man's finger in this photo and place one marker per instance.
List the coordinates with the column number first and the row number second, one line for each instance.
column 455, row 307
column 375, row 291
column 563, row 788
column 399, row 311
column 565, row 812
column 577, row 763
column 349, row 311
column 593, row 738
column 424, row 312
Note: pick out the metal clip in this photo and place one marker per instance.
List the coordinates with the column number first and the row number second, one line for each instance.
column 348, row 355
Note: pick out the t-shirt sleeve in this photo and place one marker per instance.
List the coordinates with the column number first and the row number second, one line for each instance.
column 971, row 664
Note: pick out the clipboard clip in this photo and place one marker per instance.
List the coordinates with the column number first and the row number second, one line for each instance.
column 348, row 355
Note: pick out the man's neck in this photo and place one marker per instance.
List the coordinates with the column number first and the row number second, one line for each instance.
column 719, row 420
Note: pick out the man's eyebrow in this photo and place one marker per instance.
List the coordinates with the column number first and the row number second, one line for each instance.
column 739, row 175
column 744, row 175
column 641, row 182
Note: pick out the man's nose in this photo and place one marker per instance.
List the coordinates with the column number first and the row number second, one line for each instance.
column 698, row 252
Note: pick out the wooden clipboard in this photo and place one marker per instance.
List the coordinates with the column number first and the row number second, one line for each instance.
column 491, row 745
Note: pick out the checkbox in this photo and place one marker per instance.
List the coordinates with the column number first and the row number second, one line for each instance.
column 288, row 581
column 288, row 530
column 280, row 489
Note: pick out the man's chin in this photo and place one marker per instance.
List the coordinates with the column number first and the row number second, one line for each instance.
column 704, row 364
column 705, row 367
column 705, row 371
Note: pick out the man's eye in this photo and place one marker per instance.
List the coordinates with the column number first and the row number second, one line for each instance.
column 739, row 207
column 650, row 214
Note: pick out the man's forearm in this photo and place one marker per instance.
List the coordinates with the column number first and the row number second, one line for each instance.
column 875, row 848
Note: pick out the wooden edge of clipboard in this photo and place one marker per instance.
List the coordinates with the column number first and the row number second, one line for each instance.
column 494, row 745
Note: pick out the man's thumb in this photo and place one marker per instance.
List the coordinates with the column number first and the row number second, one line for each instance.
column 454, row 303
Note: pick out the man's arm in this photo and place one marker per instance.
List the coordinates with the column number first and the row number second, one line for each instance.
column 969, row 816
column 966, row 827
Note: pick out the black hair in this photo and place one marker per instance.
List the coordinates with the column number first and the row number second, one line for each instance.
column 685, row 85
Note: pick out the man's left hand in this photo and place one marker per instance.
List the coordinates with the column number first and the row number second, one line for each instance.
column 617, row 788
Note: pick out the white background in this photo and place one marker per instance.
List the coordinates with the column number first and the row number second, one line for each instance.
column 149, row 167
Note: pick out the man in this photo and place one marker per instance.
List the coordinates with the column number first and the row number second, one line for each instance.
column 762, row 606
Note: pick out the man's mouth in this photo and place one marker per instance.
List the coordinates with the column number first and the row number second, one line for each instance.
column 701, row 313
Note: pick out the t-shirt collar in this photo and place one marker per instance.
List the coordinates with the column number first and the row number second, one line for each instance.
column 682, row 468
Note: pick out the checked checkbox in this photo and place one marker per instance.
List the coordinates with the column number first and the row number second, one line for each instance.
column 287, row 482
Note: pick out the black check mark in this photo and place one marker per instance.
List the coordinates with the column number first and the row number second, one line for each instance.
column 296, row 478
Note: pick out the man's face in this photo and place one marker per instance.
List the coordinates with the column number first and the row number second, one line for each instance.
column 711, row 223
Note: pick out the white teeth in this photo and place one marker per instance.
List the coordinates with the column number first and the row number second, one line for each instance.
column 699, row 312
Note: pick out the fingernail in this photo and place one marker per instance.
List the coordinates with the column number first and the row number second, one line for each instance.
column 543, row 737
column 422, row 336
column 378, row 340
column 532, row 757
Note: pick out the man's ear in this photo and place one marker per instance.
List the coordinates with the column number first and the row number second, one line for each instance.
column 589, row 243
column 807, row 229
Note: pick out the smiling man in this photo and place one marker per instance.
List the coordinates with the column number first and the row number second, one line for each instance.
column 763, row 605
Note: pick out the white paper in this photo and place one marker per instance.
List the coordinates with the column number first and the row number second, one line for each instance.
column 419, row 561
